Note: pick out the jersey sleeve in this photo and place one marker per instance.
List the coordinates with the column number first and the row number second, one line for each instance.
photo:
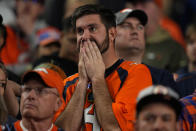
column 124, row 106
column 69, row 87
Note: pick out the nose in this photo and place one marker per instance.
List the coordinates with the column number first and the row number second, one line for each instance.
column 32, row 94
column 85, row 36
column 158, row 125
column 133, row 31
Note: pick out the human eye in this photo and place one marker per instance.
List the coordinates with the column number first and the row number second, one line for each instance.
column 80, row 31
column 40, row 90
column 140, row 27
column 166, row 118
column 150, row 118
column 125, row 26
column 27, row 89
column 92, row 29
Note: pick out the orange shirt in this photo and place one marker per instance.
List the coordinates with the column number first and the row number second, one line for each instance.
column 13, row 48
column 124, row 79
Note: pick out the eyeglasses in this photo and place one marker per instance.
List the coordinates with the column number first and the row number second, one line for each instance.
column 40, row 91
column 129, row 26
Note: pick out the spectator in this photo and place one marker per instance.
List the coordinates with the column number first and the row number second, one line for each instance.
column 103, row 80
column 28, row 19
column 22, row 35
column 159, row 40
column 190, row 50
column 3, row 108
column 6, row 110
column 68, row 42
column 13, row 90
column 186, row 77
column 41, row 98
column 187, row 117
column 165, row 22
column 48, row 41
column 5, row 41
column 157, row 108
column 130, row 43
column 67, row 57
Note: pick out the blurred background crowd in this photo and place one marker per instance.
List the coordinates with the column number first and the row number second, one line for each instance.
column 40, row 31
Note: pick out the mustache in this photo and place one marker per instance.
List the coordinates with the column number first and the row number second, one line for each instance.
column 84, row 40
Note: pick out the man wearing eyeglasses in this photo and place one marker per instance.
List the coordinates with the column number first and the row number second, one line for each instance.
column 41, row 99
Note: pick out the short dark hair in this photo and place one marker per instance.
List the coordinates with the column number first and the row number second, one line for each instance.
column 2, row 31
column 107, row 16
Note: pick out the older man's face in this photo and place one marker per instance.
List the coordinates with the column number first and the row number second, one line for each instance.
column 38, row 101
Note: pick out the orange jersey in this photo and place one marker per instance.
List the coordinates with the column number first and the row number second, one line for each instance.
column 124, row 79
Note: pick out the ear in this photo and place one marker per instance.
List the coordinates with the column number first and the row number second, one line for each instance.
column 58, row 104
column 1, row 40
column 112, row 34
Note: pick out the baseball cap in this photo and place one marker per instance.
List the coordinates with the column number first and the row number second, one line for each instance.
column 158, row 94
column 127, row 12
column 47, row 35
column 50, row 77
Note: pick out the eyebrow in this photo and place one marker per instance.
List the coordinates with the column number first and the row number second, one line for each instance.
column 89, row 25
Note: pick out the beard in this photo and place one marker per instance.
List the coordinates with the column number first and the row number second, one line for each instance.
column 102, row 47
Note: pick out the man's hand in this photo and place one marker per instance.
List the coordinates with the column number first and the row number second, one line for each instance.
column 81, row 67
column 93, row 61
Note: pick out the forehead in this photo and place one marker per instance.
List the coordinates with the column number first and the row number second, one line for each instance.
column 158, row 109
column 86, row 20
column 34, row 82
column 132, row 20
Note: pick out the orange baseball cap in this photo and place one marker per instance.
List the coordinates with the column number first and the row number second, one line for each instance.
column 50, row 77
column 47, row 35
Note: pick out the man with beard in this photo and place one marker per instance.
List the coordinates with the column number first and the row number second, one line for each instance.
column 102, row 95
